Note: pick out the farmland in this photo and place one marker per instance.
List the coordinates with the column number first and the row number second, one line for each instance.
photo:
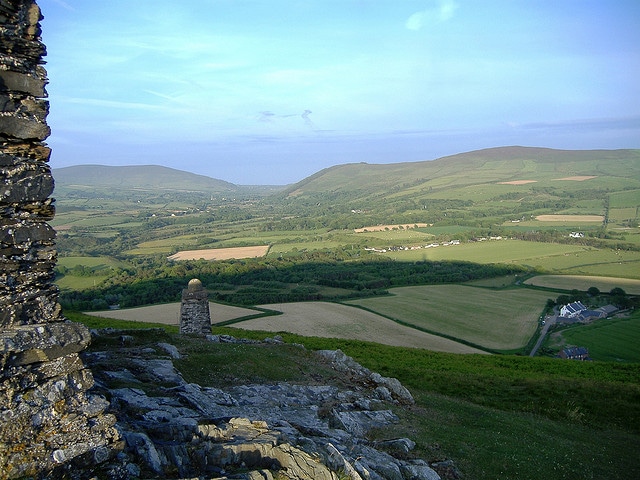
column 330, row 320
column 356, row 232
column 404, row 313
column 496, row 320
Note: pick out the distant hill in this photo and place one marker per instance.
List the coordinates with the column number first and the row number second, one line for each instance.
column 137, row 177
column 480, row 167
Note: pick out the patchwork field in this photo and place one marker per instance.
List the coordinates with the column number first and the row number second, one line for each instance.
column 500, row 320
column 221, row 253
column 584, row 282
column 332, row 320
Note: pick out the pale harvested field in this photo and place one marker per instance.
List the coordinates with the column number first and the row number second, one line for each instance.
column 584, row 282
column 331, row 320
column 517, row 182
column 221, row 253
column 169, row 313
column 570, row 218
column 577, row 178
column 382, row 228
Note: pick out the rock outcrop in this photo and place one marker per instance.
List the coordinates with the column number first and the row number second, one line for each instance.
column 175, row 429
column 47, row 418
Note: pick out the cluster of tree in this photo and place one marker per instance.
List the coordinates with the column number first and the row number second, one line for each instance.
column 594, row 297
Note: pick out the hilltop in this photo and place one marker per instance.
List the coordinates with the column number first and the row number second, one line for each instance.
column 481, row 167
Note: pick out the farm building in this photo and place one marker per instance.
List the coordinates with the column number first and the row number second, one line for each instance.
column 574, row 353
column 572, row 309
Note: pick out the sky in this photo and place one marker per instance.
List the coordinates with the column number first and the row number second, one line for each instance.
column 268, row 92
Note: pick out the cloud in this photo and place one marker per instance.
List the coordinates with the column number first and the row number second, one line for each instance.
column 442, row 11
column 64, row 5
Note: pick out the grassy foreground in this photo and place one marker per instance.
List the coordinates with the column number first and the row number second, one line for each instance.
column 494, row 416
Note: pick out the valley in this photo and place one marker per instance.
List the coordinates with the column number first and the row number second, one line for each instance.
column 437, row 273
column 359, row 231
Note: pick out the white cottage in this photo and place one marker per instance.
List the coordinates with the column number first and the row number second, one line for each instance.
column 572, row 309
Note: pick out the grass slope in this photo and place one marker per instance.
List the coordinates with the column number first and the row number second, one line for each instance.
column 494, row 416
column 491, row 165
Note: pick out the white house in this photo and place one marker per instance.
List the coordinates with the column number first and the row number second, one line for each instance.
column 572, row 309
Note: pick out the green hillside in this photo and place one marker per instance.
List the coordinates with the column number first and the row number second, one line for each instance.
column 481, row 189
column 479, row 167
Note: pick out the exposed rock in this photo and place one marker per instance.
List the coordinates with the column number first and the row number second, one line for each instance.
column 347, row 365
column 184, row 430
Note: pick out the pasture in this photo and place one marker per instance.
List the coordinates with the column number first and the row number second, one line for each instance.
column 95, row 270
column 609, row 340
column 584, row 282
column 547, row 257
column 502, row 320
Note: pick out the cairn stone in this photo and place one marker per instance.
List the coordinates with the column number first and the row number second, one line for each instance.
column 48, row 418
column 195, row 317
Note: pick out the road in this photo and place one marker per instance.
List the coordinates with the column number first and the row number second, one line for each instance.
column 549, row 320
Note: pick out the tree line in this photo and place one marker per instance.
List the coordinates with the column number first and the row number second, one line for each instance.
column 285, row 279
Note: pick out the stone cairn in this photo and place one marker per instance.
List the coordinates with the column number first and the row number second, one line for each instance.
column 194, row 309
column 48, row 420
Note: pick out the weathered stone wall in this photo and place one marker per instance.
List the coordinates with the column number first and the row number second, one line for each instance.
column 47, row 419
column 194, row 309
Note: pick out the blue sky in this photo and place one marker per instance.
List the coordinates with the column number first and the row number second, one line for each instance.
column 271, row 91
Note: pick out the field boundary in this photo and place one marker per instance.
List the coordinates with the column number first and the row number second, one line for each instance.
column 425, row 330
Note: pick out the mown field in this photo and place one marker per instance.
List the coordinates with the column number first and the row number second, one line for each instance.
column 503, row 320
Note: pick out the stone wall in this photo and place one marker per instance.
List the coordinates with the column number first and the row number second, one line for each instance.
column 47, row 418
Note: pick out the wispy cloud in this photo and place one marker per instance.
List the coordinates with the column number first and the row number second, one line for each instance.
column 95, row 102
column 441, row 11
column 64, row 5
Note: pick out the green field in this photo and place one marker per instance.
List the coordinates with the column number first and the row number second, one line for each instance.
column 549, row 257
column 97, row 269
column 610, row 340
column 496, row 320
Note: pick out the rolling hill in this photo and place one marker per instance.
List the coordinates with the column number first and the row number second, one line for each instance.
column 137, row 177
column 489, row 166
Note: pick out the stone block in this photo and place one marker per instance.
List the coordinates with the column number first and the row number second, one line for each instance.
column 24, row 128
column 28, row 182
column 23, row 83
